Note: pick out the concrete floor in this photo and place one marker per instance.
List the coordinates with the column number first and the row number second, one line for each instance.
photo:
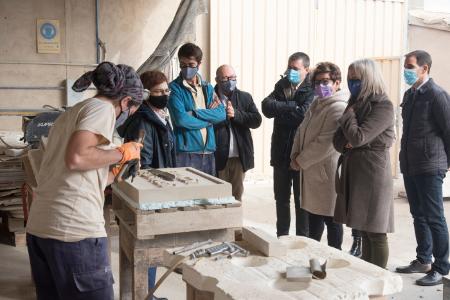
column 259, row 211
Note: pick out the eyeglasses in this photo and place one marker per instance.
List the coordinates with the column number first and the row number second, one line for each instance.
column 325, row 81
column 228, row 78
column 160, row 92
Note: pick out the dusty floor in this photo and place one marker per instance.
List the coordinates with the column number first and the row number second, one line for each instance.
column 259, row 210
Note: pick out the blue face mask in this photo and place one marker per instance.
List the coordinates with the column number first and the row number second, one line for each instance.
column 354, row 85
column 293, row 76
column 123, row 116
column 188, row 72
column 410, row 76
column 227, row 86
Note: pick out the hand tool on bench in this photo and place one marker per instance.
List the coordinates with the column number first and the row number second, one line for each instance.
column 164, row 175
column 131, row 168
column 192, row 247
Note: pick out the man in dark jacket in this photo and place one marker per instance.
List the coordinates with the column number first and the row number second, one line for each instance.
column 234, row 144
column 288, row 103
column 424, row 160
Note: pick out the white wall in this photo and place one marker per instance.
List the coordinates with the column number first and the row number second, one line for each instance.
column 436, row 42
column 257, row 37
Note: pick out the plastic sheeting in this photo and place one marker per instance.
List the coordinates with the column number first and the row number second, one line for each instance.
column 181, row 30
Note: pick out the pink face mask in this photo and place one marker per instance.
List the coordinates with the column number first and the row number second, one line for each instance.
column 323, row 91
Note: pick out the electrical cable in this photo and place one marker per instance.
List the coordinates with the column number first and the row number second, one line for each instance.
column 160, row 281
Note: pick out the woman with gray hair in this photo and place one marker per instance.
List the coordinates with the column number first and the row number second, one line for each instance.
column 363, row 179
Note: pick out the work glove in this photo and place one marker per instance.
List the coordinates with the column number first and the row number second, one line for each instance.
column 130, row 151
column 123, row 171
column 129, row 164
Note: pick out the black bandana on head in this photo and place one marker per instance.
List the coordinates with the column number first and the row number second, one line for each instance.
column 114, row 81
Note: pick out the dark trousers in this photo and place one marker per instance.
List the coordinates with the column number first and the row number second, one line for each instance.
column 375, row 248
column 70, row 271
column 335, row 231
column 283, row 180
column 202, row 162
column 356, row 233
column 426, row 206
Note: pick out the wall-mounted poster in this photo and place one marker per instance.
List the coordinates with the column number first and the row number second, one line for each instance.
column 48, row 37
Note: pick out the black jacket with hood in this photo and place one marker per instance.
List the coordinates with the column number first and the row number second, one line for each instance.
column 159, row 140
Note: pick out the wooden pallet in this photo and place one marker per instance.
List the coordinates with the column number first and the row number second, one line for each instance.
column 12, row 230
column 144, row 235
column 144, row 224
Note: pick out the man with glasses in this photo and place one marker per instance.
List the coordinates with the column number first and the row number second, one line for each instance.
column 234, row 153
column 194, row 111
column 287, row 104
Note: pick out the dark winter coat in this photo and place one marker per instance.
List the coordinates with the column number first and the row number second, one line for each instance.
column 288, row 107
column 364, row 183
column 425, row 145
column 246, row 117
column 159, row 146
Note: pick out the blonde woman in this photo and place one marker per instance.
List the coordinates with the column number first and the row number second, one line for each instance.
column 364, row 186
column 314, row 156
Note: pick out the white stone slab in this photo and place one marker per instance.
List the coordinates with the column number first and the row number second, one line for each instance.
column 189, row 184
column 263, row 242
column 298, row 274
column 264, row 278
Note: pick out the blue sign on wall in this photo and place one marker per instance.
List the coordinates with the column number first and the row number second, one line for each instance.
column 48, row 31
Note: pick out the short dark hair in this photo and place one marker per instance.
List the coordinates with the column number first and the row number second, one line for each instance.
column 327, row 67
column 422, row 57
column 190, row 50
column 300, row 55
column 151, row 78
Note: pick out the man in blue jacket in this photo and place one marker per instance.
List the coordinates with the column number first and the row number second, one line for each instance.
column 194, row 110
column 424, row 160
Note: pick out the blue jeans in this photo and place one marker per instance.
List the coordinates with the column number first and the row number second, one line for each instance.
column 204, row 162
column 71, row 270
column 426, row 206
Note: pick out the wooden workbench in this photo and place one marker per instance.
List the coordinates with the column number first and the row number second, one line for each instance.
column 143, row 236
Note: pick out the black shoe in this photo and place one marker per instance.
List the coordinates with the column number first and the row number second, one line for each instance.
column 432, row 278
column 157, row 298
column 356, row 247
column 414, row 267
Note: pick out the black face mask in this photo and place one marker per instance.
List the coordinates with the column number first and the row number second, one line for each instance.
column 159, row 102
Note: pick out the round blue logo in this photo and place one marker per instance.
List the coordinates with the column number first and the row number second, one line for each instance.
column 48, row 31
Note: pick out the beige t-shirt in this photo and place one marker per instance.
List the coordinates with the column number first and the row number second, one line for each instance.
column 68, row 205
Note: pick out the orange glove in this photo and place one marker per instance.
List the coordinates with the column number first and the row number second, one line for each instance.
column 130, row 151
column 129, row 168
